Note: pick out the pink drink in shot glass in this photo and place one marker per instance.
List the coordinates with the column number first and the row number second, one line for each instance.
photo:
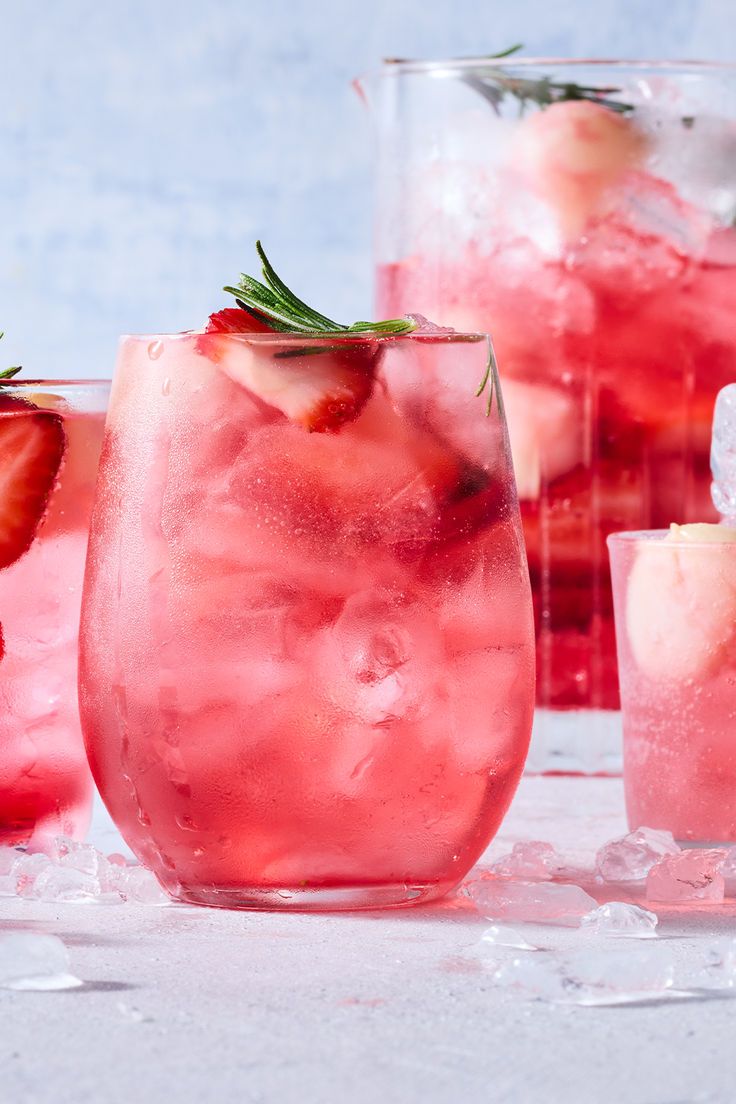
column 675, row 606
column 307, row 658
column 50, row 438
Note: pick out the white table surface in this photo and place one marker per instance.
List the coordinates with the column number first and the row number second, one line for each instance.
column 191, row 1004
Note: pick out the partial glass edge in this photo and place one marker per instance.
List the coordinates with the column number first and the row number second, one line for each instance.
column 433, row 65
column 314, row 338
column 656, row 536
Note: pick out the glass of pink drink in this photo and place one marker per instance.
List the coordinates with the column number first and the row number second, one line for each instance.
column 50, row 438
column 583, row 214
column 307, row 658
column 675, row 598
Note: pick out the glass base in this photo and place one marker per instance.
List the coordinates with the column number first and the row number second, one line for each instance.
column 312, row 899
column 576, row 741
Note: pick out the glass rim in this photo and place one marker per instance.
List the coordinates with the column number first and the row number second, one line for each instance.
column 273, row 338
column 438, row 65
column 656, row 536
column 50, row 384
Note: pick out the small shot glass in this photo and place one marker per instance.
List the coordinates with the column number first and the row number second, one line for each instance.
column 675, row 611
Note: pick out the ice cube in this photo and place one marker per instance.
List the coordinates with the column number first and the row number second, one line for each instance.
column 424, row 326
column 78, row 856
column 716, row 966
column 590, row 977
column 619, row 919
column 728, row 871
column 529, row 859
column 723, row 453
column 139, row 885
column 65, row 885
column 693, row 875
column 630, row 858
column 530, row 902
column 500, row 935
column 29, row 961
column 26, row 869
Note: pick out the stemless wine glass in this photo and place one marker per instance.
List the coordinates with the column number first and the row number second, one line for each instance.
column 50, row 438
column 307, row 658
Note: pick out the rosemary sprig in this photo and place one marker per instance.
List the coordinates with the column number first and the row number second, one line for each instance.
column 275, row 305
column 490, row 383
column 494, row 85
column 8, row 373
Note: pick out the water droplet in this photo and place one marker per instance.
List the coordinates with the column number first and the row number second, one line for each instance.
column 166, row 386
column 155, row 349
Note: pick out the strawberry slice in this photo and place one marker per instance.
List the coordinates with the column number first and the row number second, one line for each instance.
column 32, row 445
column 320, row 387
column 235, row 320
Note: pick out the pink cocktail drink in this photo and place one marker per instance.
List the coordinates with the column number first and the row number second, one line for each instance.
column 50, row 438
column 307, row 658
column 675, row 595
column 587, row 224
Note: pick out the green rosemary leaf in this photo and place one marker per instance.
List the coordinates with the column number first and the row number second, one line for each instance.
column 300, row 308
column 490, row 383
column 8, row 373
column 396, row 326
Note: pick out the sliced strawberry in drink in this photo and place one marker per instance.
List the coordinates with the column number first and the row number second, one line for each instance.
column 320, row 387
column 236, row 320
column 32, row 445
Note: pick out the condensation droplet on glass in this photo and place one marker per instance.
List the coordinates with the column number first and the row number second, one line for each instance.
column 166, row 386
column 155, row 349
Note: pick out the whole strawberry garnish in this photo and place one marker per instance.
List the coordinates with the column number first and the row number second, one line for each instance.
column 321, row 386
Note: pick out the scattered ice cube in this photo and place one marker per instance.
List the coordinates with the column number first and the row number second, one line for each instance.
column 26, row 869
column 590, row 977
column 65, row 885
column 728, row 871
column 529, row 859
column 630, row 858
column 619, row 919
column 693, row 875
column 530, row 902
column 500, row 935
column 78, row 856
column 29, row 961
column 716, row 966
column 138, row 884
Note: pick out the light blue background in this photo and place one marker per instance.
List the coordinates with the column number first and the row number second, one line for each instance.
column 146, row 144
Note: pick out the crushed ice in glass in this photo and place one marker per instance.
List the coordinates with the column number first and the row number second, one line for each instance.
column 38, row 962
column 424, row 326
column 723, row 453
column 530, row 902
column 619, row 919
column 693, row 875
column 529, row 859
column 76, row 873
column 630, row 858
column 590, row 976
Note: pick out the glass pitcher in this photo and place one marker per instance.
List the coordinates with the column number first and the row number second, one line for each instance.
column 583, row 214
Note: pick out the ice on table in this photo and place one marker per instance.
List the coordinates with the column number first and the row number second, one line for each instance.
column 715, row 967
column 630, row 858
column 693, row 875
column 590, row 976
column 622, row 920
column 529, row 859
column 76, row 873
column 30, row 961
column 530, row 902
column 501, row 935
